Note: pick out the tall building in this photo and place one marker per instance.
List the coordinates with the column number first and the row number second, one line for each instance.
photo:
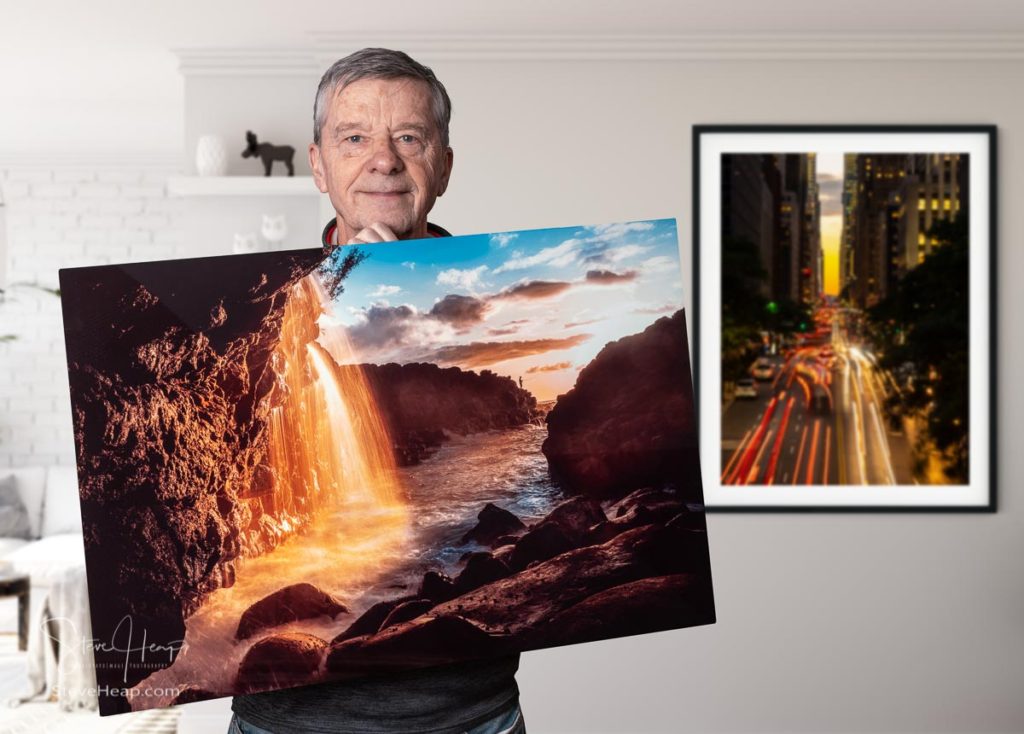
column 848, row 236
column 890, row 203
column 748, row 209
column 810, row 252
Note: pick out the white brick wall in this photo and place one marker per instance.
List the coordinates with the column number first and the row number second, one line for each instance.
column 61, row 217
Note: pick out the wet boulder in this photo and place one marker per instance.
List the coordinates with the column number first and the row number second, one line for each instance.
column 637, row 607
column 436, row 586
column 371, row 620
column 298, row 601
column 544, row 541
column 407, row 610
column 493, row 523
column 577, row 516
column 427, row 640
column 281, row 661
column 481, row 568
column 635, row 517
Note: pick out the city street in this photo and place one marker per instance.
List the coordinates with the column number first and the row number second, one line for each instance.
column 818, row 418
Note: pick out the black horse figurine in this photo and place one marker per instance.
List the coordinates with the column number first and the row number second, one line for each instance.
column 269, row 153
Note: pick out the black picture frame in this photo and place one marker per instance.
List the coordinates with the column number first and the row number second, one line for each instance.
column 712, row 141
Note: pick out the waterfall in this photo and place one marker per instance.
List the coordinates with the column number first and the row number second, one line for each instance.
column 328, row 443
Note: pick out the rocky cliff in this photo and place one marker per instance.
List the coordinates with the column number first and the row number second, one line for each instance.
column 423, row 402
column 629, row 420
column 172, row 386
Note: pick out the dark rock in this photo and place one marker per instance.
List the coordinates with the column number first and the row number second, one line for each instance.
column 518, row 603
column 281, row 661
column 298, row 601
column 423, row 403
column 576, row 516
column 407, row 610
column 191, row 694
column 637, row 607
column 505, row 540
column 636, row 516
column 629, row 420
column 649, row 497
column 481, row 568
column 168, row 365
column 493, row 522
column 371, row 620
column 436, row 586
column 675, row 547
column 428, row 640
column 504, row 554
column 545, row 541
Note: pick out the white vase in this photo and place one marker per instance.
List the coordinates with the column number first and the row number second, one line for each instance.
column 211, row 156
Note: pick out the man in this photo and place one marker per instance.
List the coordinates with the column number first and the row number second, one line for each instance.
column 380, row 151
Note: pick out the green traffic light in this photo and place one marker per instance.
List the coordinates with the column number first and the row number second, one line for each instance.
column 772, row 307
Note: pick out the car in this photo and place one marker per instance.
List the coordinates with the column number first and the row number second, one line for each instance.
column 821, row 401
column 746, row 388
column 763, row 370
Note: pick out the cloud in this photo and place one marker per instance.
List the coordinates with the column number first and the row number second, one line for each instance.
column 533, row 289
column 574, row 324
column 481, row 354
column 466, row 279
column 557, row 256
column 384, row 326
column 660, row 264
column 618, row 229
column 667, row 308
column 607, row 277
column 830, row 195
column 502, row 239
column 503, row 331
column 601, row 254
column 409, row 264
column 383, row 291
column 460, row 311
column 558, row 366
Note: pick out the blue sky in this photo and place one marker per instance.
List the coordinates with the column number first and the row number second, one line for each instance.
column 537, row 304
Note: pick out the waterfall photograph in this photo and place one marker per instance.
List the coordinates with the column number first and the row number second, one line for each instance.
column 304, row 466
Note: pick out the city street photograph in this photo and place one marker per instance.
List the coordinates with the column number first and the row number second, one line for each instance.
column 848, row 293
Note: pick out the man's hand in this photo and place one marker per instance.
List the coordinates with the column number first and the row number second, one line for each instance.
column 376, row 232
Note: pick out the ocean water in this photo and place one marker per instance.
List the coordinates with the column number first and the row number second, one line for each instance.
column 363, row 554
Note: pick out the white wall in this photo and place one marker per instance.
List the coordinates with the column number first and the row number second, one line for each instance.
column 65, row 215
column 851, row 623
column 826, row 623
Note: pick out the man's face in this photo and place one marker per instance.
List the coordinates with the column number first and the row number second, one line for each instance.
column 380, row 157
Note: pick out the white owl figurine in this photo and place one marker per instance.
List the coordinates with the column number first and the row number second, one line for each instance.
column 247, row 243
column 274, row 229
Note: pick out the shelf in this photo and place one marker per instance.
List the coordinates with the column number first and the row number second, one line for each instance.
column 242, row 186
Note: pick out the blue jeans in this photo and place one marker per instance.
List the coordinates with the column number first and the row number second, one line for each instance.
column 508, row 722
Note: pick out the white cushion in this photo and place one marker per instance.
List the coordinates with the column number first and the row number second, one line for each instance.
column 44, row 560
column 31, row 484
column 62, row 512
column 7, row 545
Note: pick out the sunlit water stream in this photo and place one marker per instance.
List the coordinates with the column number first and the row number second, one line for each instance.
column 361, row 553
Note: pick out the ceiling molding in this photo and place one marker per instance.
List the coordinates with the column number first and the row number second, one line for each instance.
column 695, row 47
column 325, row 47
column 247, row 61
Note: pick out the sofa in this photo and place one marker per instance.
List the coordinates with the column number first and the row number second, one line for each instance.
column 49, row 496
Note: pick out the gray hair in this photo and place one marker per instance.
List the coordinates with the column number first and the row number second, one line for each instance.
column 380, row 63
